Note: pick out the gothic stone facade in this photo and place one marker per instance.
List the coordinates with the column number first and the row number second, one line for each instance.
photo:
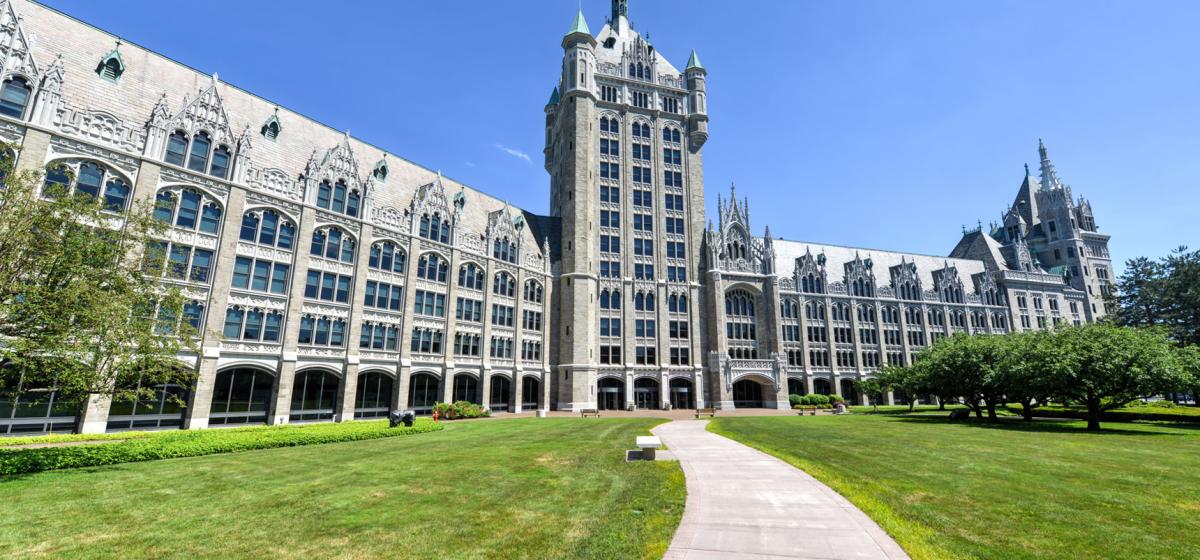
column 332, row 280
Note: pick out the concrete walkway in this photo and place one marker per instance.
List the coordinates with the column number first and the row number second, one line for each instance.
column 745, row 504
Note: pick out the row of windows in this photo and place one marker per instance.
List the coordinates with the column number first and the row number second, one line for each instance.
column 177, row 261
column 327, row 286
column 260, row 275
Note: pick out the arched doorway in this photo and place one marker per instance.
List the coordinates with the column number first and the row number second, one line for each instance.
column 681, row 393
column 849, row 391
column 374, row 395
column 822, row 386
column 747, row 393
column 610, row 394
column 466, row 388
column 241, row 396
column 423, row 389
column 314, row 395
column 646, row 394
column 501, row 393
column 796, row 387
column 163, row 409
column 531, row 393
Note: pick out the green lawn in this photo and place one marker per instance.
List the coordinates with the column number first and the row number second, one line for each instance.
column 521, row 488
column 970, row 490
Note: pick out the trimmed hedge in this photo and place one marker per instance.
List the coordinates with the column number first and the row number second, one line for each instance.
column 1129, row 414
column 194, row 443
column 460, row 409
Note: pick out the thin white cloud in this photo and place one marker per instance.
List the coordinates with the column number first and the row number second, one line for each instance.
column 470, row 164
column 514, row 152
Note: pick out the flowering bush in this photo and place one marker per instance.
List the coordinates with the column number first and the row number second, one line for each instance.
column 460, row 409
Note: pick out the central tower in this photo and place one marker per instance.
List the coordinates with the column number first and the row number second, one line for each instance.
column 624, row 131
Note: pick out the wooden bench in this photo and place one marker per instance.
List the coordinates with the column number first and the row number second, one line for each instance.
column 583, row 413
column 648, row 445
column 710, row 412
column 811, row 410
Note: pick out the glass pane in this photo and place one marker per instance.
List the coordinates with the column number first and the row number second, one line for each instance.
column 201, row 264
column 177, row 267
column 199, row 158
column 270, row 221
column 262, row 275
column 115, row 195
column 279, row 279
column 88, row 181
column 210, row 219
column 249, row 227
column 233, row 323
column 272, row 328
column 189, row 206
column 176, row 148
column 241, row 272
column 286, row 233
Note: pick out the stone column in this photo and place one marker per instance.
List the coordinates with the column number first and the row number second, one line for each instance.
column 628, row 388
column 33, row 150
column 517, row 393
column 93, row 416
column 485, row 387
column 400, row 388
column 664, row 390
column 346, row 403
column 281, row 409
column 891, row 399
column 195, row 416
column 447, row 384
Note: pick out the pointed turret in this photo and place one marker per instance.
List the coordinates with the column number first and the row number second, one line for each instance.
column 554, row 97
column 580, row 25
column 696, row 76
column 1049, row 176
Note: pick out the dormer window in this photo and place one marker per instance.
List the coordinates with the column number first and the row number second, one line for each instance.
column 198, row 161
column 271, row 130
column 338, row 198
column 609, row 42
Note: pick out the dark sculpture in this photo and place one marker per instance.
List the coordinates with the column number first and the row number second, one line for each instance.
column 396, row 417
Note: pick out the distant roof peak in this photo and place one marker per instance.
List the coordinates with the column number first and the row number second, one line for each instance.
column 580, row 25
column 694, row 62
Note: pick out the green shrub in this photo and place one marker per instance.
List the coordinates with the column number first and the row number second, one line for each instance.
column 794, row 400
column 194, row 443
column 460, row 409
column 836, row 398
column 814, row 400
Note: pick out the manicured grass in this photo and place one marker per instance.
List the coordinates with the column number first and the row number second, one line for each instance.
column 521, row 488
column 1012, row 490
column 174, row 444
column 1130, row 413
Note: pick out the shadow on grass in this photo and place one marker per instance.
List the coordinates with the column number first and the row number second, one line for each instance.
column 1060, row 425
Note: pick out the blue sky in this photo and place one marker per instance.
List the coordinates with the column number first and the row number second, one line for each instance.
column 868, row 123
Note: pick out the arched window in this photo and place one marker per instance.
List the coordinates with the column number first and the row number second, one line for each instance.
column 333, row 243
column 388, row 257
column 177, row 148
column 533, row 291
column 432, row 267
column 860, row 287
column 504, row 250
column 198, row 158
column 470, row 276
column 339, row 198
column 675, row 135
column 270, row 131
column 220, row 163
column 434, row 228
column 91, row 179
column 504, row 284
column 909, row 290
column 266, row 227
column 14, row 97
column 610, row 299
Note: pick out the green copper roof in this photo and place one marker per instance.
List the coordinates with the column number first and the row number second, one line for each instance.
column 580, row 25
column 694, row 62
column 554, row 97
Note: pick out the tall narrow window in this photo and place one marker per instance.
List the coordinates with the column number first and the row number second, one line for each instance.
column 14, row 97
column 220, row 163
column 199, row 155
column 177, row 148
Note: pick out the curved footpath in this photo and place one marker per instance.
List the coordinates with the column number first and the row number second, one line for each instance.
column 745, row 504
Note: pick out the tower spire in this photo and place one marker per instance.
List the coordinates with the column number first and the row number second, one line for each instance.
column 1049, row 176
column 620, row 8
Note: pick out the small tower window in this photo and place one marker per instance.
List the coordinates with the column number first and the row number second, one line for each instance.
column 111, row 69
column 271, row 128
column 381, row 170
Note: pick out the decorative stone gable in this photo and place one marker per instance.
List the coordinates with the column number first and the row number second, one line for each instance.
column 16, row 58
column 431, row 198
column 206, row 112
column 859, row 278
column 338, row 163
column 502, row 224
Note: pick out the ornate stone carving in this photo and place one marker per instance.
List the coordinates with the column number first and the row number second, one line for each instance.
column 274, row 181
column 325, row 310
column 170, row 175
column 247, row 249
column 258, row 300
column 61, row 147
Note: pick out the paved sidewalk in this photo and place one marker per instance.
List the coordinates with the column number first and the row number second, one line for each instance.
column 745, row 504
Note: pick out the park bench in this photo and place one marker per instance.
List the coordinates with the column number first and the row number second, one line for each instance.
column 811, row 410
column 710, row 412
column 584, row 413
column 648, row 445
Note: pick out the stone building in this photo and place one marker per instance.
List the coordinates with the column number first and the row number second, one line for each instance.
column 333, row 280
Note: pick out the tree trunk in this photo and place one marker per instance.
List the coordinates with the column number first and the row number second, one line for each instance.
column 991, row 408
column 941, row 403
column 978, row 409
column 1027, row 410
column 912, row 403
column 1093, row 416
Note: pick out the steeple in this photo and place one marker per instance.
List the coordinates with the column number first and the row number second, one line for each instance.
column 693, row 62
column 620, row 8
column 554, row 97
column 580, row 25
column 1049, row 176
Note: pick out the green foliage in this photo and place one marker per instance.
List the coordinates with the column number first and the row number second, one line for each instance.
column 460, row 409
column 1162, row 293
column 814, row 400
column 836, row 398
column 794, row 400
column 193, row 443
column 76, row 312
